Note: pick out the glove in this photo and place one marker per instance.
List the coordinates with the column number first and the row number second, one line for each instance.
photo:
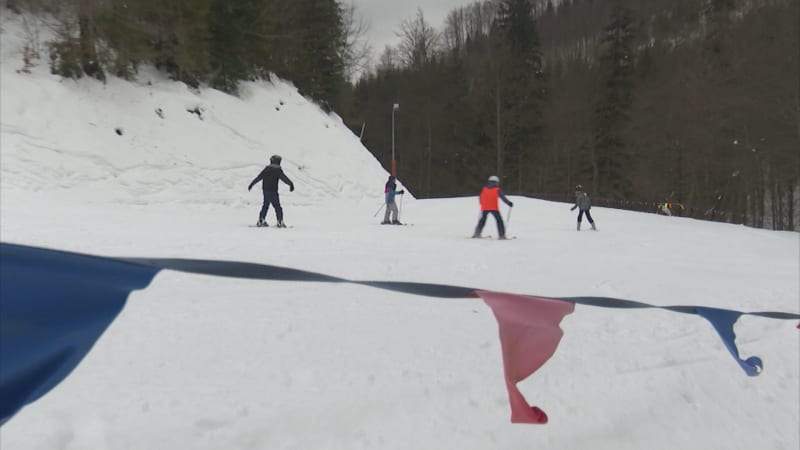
column 401, row 192
column 573, row 208
column 291, row 188
column 250, row 187
column 510, row 204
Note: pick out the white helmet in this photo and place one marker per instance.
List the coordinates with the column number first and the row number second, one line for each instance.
column 494, row 179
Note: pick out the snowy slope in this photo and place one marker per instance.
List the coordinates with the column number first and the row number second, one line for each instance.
column 203, row 158
column 207, row 363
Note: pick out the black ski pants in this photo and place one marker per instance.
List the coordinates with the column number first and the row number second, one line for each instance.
column 501, row 228
column 588, row 216
column 273, row 199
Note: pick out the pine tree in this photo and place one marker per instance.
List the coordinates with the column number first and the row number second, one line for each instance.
column 520, row 92
column 320, row 68
column 90, row 61
column 187, row 40
column 613, row 161
column 239, row 42
column 126, row 28
column 173, row 36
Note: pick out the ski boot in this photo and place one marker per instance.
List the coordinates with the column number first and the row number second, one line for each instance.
column 281, row 224
column 579, row 226
column 261, row 223
column 593, row 227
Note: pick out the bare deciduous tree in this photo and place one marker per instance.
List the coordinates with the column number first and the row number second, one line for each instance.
column 355, row 49
column 419, row 41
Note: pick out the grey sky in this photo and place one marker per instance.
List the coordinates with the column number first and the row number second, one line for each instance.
column 385, row 16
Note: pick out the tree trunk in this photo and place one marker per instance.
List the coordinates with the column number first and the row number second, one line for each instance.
column 777, row 206
column 430, row 154
column 89, row 62
column 499, row 131
column 569, row 163
column 595, row 169
column 790, row 205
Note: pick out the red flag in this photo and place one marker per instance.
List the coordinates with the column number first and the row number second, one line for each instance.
column 529, row 335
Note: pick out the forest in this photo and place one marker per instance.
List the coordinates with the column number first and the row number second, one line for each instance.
column 690, row 103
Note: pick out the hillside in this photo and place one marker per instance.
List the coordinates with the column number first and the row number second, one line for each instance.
column 126, row 140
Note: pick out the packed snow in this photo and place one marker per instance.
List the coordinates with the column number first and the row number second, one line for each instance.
column 152, row 168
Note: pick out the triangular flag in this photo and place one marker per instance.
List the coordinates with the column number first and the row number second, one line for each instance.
column 529, row 335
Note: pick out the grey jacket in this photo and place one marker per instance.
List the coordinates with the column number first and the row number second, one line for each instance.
column 583, row 201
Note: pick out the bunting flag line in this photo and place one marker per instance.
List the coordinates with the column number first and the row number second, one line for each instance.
column 55, row 305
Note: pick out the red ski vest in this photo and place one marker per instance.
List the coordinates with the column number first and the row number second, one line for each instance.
column 489, row 196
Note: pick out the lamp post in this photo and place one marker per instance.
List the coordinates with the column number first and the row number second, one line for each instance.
column 395, row 107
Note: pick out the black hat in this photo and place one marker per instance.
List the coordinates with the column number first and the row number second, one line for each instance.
column 275, row 159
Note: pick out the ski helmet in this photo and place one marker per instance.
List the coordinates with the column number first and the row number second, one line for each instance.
column 275, row 159
column 494, row 179
column 578, row 187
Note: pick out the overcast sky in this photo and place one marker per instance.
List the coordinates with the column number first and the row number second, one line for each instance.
column 385, row 16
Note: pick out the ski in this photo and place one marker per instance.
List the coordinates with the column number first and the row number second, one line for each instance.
column 273, row 226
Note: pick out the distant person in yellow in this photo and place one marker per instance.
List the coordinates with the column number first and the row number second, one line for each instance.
column 666, row 207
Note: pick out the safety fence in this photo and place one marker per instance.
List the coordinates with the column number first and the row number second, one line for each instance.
column 664, row 207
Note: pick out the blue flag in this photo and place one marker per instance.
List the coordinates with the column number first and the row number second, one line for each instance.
column 53, row 308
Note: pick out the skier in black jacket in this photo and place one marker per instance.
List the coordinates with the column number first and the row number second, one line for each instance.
column 269, row 183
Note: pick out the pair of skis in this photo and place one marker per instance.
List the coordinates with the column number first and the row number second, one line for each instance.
column 267, row 226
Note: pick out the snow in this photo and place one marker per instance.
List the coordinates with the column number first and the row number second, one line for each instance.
column 206, row 363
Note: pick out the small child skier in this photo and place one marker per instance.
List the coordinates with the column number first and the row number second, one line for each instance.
column 583, row 202
column 489, row 196
column 390, row 191
column 269, row 178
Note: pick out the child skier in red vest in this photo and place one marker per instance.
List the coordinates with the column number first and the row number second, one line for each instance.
column 489, row 205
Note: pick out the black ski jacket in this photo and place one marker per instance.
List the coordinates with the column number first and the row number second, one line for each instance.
column 269, row 178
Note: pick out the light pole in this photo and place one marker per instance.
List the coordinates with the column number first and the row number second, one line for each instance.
column 395, row 107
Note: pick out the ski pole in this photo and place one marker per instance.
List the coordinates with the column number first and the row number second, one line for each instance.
column 379, row 209
column 399, row 210
column 508, row 218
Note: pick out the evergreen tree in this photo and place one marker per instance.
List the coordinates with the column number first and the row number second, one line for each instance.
column 185, row 40
column 521, row 88
column 320, row 68
column 127, row 29
column 176, row 32
column 239, row 40
column 612, row 158
column 90, row 61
